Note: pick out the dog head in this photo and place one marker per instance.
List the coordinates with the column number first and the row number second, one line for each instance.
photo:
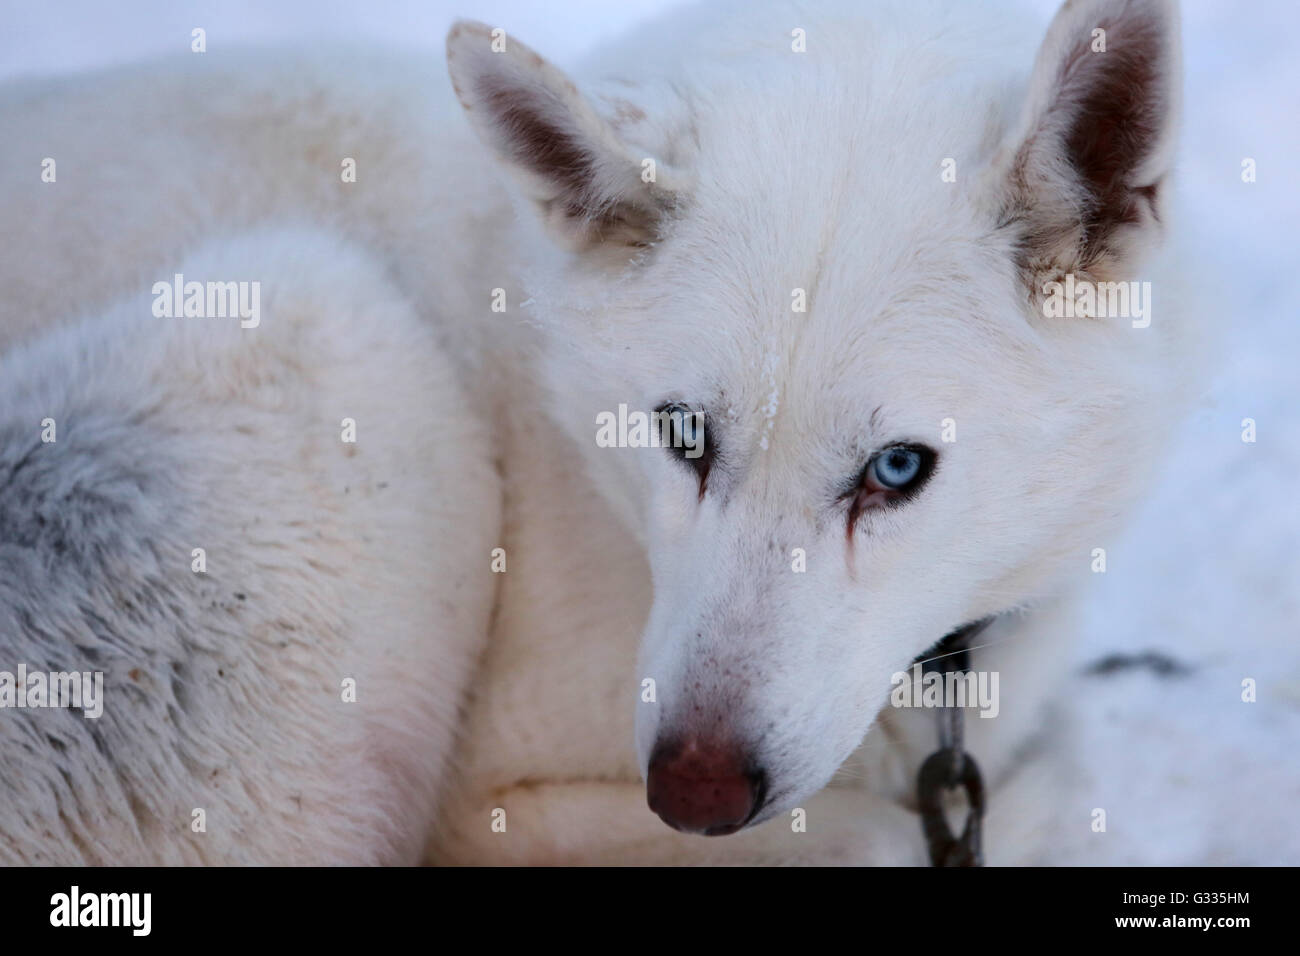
column 835, row 262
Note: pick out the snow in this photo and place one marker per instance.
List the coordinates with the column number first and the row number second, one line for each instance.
column 1210, row 569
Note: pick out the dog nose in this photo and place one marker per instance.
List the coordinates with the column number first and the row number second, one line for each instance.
column 702, row 788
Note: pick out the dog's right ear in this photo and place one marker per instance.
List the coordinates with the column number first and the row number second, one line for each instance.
column 586, row 182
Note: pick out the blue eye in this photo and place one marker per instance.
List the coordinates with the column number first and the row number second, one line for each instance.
column 898, row 467
column 692, row 431
column 684, row 434
column 891, row 478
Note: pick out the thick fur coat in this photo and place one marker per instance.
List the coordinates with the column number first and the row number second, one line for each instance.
column 648, row 226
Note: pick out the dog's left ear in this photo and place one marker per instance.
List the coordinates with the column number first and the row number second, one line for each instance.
column 1086, row 169
column 589, row 185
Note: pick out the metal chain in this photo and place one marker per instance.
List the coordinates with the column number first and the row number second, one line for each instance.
column 950, row 766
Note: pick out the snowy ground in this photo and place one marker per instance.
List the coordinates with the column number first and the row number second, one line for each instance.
column 1210, row 571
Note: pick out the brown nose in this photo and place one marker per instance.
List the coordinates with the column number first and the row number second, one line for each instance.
column 702, row 788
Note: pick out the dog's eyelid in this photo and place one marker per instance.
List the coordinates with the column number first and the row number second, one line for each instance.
column 851, row 486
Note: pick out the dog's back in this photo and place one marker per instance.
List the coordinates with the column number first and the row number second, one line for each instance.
column 285, row 620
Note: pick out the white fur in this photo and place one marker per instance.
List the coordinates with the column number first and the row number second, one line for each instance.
column 779, row 171
column 325, row 561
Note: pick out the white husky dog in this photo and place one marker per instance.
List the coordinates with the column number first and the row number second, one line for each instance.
column 823, row 238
